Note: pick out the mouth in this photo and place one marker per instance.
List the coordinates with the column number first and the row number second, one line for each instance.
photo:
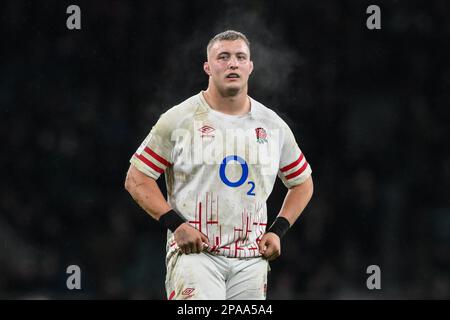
column 233, row 76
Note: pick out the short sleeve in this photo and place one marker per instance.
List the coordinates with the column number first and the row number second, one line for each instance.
column 155, row 153
column 294, row 169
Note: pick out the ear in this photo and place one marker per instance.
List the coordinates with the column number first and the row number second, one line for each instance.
column 251, row 67
column 206, row 68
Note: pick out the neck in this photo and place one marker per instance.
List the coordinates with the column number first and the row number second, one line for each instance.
column 233, row 105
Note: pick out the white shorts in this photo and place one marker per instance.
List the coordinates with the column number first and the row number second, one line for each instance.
column 209, row 277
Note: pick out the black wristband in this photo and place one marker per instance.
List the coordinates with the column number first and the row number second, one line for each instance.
column 171, row 220
column 280, row 226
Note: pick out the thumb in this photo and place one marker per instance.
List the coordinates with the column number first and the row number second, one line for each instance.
column 204, row 238
column 262, row 245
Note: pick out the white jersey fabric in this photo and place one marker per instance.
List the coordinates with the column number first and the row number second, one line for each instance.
column 220, row 169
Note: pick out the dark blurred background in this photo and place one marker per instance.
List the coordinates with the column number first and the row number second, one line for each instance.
column 370, row 109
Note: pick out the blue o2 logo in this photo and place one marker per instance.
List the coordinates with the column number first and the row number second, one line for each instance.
column 244, row 167
column 243, row 177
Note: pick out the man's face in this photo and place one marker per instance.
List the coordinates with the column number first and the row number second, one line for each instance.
column 229, row 66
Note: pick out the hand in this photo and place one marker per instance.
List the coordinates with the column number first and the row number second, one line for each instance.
column 270, row 246
column 189, row 239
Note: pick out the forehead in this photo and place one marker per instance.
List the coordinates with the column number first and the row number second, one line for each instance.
column 232, row 46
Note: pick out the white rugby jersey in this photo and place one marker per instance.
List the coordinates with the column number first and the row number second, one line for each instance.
column 220, row 169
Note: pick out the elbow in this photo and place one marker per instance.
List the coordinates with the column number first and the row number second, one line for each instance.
column 128, row 184
column 310, row 187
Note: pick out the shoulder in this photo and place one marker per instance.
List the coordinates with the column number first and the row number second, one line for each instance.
column 182, row 111
column 175, row 117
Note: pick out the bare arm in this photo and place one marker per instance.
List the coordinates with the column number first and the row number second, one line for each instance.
column 296, row 200
column 146, row 193
column 294, row 203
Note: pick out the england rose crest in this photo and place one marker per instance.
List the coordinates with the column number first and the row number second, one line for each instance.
column 261, row 135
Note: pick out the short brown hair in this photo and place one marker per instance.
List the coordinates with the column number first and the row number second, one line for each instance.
column 229, row 35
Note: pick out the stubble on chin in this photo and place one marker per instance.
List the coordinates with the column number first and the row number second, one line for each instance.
column 229, row 92
column 232, row 92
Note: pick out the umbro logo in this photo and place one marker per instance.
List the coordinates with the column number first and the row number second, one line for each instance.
column 188, row 293
column 206, row 131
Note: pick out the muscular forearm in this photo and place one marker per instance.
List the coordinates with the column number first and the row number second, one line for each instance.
column 146, row 193
column 296, row 200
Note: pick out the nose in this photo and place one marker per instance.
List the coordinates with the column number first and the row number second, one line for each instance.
column 232, row 63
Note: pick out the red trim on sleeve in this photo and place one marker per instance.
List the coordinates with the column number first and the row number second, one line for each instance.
column 149, row 163
column 293, row 164
column 157, row 157
column 298, row 172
